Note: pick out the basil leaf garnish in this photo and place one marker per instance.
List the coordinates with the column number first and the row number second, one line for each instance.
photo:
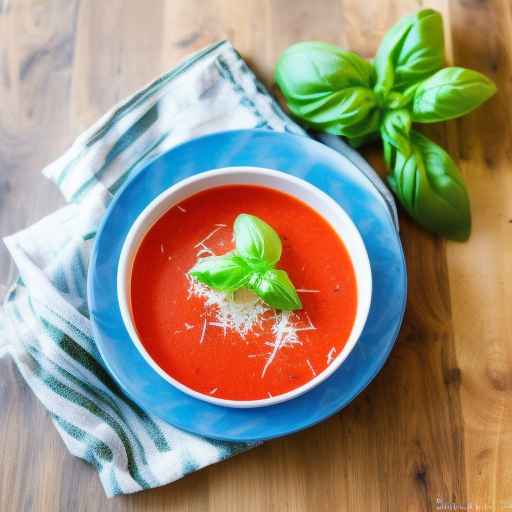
column 450, row 93
column 258, row 249
column 275, row 289
column 256, row 240
column 411, row 51
column 224, row 273
column 430, row 188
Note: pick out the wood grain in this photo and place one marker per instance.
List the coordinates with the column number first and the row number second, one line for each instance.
column 435, row 427
column 482, row 274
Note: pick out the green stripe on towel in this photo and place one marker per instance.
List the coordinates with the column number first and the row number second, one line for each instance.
column 78, row 399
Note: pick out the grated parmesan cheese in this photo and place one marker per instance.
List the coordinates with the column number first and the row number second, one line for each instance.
column 242, row 311
column 207, row 237
column 285, row 335
column 205, row 250
column 311, row 367
column 203, row 332
column 239, row 312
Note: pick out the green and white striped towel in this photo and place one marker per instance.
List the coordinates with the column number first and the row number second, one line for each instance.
column 44, row 321
column 44, row 324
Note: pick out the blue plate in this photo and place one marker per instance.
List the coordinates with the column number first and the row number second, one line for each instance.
column 305, row 158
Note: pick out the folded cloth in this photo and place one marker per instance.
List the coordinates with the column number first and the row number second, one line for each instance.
column 44, row 321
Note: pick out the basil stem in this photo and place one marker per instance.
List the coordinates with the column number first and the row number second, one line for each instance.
column 395, row 130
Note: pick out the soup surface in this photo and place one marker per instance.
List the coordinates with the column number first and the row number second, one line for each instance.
column 236, row 347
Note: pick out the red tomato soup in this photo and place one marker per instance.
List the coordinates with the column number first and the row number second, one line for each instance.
column 249, row 352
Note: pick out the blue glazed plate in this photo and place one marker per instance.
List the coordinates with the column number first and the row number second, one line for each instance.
column 334, row 174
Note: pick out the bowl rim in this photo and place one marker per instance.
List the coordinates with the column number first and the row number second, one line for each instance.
column 141, row 227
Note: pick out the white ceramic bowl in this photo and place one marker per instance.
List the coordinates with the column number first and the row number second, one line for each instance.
column 309, row 194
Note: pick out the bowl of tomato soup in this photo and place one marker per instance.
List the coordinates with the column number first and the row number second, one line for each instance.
column 232, row 349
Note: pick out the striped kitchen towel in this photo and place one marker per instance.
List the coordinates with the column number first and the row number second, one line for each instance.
column 44, row 321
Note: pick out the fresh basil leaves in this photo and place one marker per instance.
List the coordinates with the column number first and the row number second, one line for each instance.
column 336, row 91
column 311, row 70
column 251, row 265
column 429, row 187
column 329, row 89
column 275, row 289
column 256, row 241
column 411, row 51
column 224, row 273
column 450, row 93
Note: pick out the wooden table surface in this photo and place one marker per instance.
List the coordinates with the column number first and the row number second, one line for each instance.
column 434, row 430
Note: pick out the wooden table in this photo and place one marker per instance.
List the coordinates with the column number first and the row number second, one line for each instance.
column 434, row 430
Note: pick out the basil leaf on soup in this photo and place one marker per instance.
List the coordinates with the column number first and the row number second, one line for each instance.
column 257, row 241
column 450, row 93
column 224, row 273
column 275, row 289
column 410, row 52
column 328, row 88
column 395, row 129
column 429, row 187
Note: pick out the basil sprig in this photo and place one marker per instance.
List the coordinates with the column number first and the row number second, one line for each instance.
column 336, row 91
column 250, row 265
